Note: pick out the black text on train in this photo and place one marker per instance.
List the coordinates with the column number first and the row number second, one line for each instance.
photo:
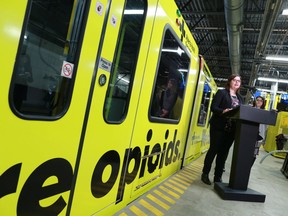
column 152, row 158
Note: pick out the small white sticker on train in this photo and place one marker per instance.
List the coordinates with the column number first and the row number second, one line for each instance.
column 67, row 69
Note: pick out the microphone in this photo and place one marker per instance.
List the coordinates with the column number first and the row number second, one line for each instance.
column 248, row 87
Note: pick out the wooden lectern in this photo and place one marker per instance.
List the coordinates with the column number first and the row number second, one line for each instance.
column 247, row 128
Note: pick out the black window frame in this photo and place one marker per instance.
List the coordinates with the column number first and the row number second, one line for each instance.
column 151, row 114
column 83, row 11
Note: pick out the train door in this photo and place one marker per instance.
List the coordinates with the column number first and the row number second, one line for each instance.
column 198, row 137
column 105, row 147
column 43, row 48
column 209, row 91
column 165, row 104
column 195, row 129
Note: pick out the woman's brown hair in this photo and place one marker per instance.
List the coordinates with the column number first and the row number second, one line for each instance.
column 263, row 102
column 230, row 78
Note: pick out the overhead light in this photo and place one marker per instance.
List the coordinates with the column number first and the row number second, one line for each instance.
column 178, row 50
column 123, row 79
column 272, row 80
column 267, row 79
column 277, row 58
column 285, row 12
column 268, row 90
column 134, row 12
column 183, row 70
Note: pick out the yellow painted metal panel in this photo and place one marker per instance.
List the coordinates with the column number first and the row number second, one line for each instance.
column 38, row 152
column 281, row 127
column 32, row 150
column 199, row 136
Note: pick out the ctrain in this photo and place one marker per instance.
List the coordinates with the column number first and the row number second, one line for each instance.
column 100, row 101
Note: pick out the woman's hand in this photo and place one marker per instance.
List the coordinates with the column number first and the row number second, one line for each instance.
column 227, row 110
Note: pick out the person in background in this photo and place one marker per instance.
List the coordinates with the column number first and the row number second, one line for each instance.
column 168, row 98
column 222, row 129
column 259, row 103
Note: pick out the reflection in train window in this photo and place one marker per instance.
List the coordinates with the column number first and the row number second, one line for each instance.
column 41, row 86
column 168, row 93
column 125, row 61
column 203, row 112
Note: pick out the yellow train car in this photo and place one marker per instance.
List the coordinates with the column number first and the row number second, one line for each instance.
column 96, row 101
column 273, row 131
column 198, row 140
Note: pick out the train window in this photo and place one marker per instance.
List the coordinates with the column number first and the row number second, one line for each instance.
column 125, row 61
column 44, row 71
column 169, row 88
column 203, row 112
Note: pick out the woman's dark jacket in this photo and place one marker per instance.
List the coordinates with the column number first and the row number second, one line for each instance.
column 221, row 101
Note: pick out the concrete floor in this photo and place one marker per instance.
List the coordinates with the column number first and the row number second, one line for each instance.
column 200, row 199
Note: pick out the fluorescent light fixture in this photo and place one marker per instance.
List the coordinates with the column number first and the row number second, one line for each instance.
column 277, row 58
column 285, row 12
column 268, row 90
column 178, row 50
column 183, row 70
column 282, row 81
column 123, row 79
column 267, row 79
column 272, row 80
column 134, row 12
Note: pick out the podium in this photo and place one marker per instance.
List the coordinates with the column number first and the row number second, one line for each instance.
column 247, row 128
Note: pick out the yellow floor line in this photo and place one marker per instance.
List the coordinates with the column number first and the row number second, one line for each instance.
column 190, row 172
column 163, row 196
column 137, row 211
column 150, row 207
column 184, row 178
column 181, row 181
column 169, row 192
column 189, row 176
column 193, row 169
column 177, row 184
column 158, row 202
column 123, row 214
column 193, row 176
column 174, row 188
column 186, row 172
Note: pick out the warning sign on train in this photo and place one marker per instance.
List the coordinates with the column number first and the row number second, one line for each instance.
column 67, row 69
column 99, row 8
column 105, row 64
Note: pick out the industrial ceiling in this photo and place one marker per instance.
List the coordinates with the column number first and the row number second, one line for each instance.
column 235, row 36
